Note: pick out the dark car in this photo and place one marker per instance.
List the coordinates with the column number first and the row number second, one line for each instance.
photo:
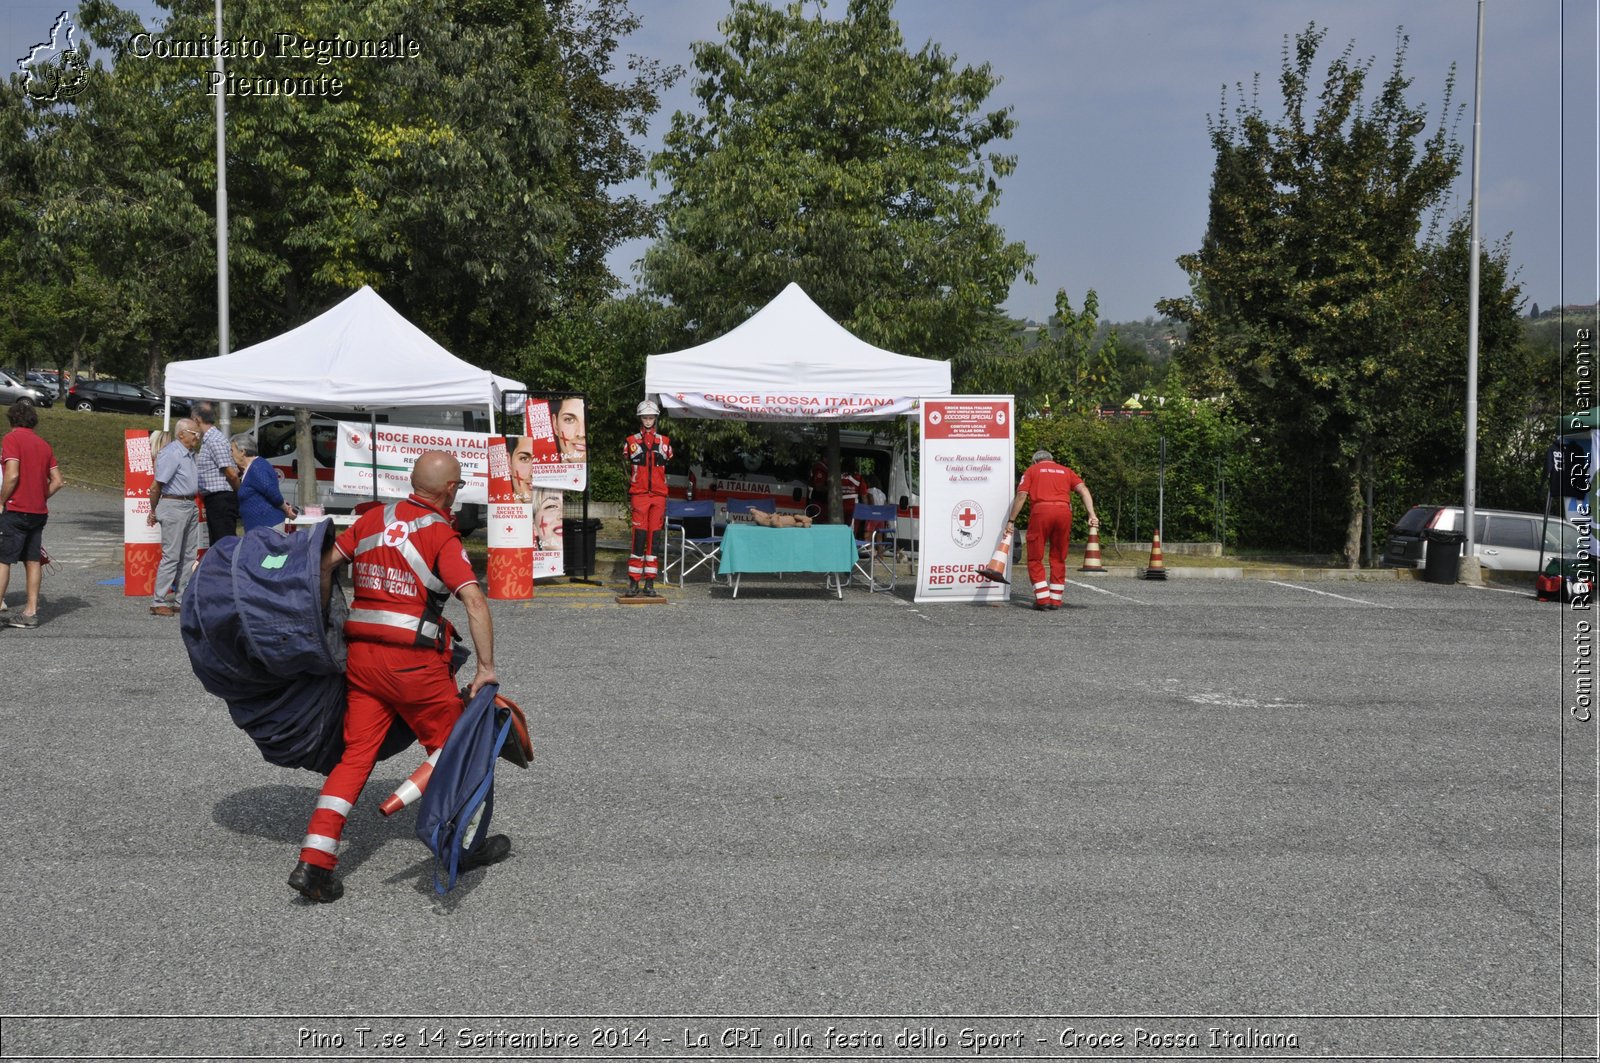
column 120, row 397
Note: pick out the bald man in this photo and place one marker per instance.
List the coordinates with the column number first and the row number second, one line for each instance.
column 173, row 506
column 407, row 561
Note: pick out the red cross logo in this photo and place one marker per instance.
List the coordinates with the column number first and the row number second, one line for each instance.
column 395, row 534
column 966, row 516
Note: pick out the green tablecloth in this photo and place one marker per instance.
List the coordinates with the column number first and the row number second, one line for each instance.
column 820, row 548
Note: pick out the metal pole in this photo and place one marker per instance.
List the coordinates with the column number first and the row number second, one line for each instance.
column 1469, row 569
column 225, row 418
column 1161, row 492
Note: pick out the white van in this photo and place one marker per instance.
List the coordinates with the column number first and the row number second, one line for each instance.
column 883, row 458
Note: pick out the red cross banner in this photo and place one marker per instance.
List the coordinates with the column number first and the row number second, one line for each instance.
column 509, row 529
column 141, row 543
column 968, row 480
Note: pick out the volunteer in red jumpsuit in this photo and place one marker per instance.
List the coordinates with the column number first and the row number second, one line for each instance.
column 1050, row 485
column 646, row 453
column 407, row 561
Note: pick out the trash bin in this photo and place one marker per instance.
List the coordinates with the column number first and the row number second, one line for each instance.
column 577, row 543
column 1444, row 556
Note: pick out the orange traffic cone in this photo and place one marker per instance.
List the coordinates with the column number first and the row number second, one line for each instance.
column 412, row 788
column 1091, row 553
column 996, row 568
column 1157, row 568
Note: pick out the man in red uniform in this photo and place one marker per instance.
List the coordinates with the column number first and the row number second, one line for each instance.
column 30, row 476
column 647, row 453
column 408, row 560
column 851, row 488
column 1050, row 485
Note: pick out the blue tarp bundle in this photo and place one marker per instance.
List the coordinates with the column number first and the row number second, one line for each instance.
column 453, row 816
column 257, row 638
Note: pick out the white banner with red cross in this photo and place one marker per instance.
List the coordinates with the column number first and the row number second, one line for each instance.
column 968, row 481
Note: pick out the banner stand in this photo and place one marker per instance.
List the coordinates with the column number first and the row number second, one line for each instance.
column 968, row 465
column 141, row 543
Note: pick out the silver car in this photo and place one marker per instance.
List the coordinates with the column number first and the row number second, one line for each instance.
column 1505, row 540
column 12, row 389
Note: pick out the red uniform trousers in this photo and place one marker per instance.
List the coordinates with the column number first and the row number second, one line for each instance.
column 649, row 517
column 1049, row 523
column 385, row 680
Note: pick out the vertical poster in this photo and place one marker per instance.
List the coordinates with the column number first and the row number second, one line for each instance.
column 968, row 481
column 554, row 448
column 509, row 530
column 141, row 543
column 549, row 543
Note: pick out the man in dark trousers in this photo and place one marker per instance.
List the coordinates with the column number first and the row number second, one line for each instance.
column 219, row 476
column 646, row 452
column 30, row 476
column 1050, row 485
column 407, row 561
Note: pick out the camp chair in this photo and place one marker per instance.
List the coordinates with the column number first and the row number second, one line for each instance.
column 739, row 508
column 875, row 527
column 692, row 523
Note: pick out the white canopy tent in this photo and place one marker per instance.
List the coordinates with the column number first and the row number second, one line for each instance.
column 361, row 354
column 791, row 361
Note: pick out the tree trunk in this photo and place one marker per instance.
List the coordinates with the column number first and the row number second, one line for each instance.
column 1356, row 499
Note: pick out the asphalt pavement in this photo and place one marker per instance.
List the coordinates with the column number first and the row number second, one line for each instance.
column 1190, row 818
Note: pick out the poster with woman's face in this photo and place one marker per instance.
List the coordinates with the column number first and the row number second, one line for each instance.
column 549, row 551
column 557, row 440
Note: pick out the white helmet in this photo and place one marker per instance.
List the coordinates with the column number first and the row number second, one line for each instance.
column 648, row 409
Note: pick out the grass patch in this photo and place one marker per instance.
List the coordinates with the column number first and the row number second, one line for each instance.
column 89, row 446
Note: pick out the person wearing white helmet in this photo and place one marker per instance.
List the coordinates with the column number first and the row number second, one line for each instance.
column 646, row 452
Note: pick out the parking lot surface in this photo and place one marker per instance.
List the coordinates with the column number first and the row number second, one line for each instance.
column 1360, row 815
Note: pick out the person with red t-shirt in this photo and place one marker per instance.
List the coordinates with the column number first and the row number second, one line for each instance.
column 30, row 477
column 407, row 560
column 646, row 453
column 1050, row 485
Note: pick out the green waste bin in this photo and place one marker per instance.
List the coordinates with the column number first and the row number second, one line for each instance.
column 1444, row 556
column 577, row 543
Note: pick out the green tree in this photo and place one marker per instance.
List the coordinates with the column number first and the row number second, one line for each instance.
column 468, row 181
column 1073, row 366
column 828, row 154
column 1304, row 307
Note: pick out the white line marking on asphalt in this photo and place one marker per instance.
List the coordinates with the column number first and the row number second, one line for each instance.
column 1329, row 594
column 1075, row 584
column 1508, row 590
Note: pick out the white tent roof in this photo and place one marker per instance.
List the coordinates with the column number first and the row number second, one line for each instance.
column 791, row 361
column 359, row 354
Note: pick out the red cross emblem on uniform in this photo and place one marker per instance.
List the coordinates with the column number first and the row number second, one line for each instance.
column 396, row 534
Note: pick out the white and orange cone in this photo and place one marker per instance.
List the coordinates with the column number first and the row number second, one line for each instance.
column 1157, row 569
column 996, row 568
column 1091, row 553
column 412, row 788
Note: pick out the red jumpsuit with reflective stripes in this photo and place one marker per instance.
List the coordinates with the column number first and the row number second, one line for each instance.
column 647, row 453
column 407, row 560
column 1049, row 486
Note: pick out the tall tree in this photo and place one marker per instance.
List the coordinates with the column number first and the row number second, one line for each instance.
column 828, row 154
column 1304, row 305
column 1071, row 367
column 466, row 172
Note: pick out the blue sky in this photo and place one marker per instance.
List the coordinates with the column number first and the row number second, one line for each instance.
column 1112, row 97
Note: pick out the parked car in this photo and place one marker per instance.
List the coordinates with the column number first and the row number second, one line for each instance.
column 1503, row 540
column 12, row 389
column 121, row 397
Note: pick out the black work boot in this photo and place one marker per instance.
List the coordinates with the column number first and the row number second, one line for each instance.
column 633, row 589
column 495, row 848
column 318, row 884
column 650, row 588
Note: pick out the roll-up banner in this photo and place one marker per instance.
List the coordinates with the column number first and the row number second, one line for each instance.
column 554, row 449
column 141, row 542
column 509, row 528
column 968, row 481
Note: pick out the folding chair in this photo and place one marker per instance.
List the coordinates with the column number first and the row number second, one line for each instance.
column 874, row 527
column 692, row 523
column 739, row 508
